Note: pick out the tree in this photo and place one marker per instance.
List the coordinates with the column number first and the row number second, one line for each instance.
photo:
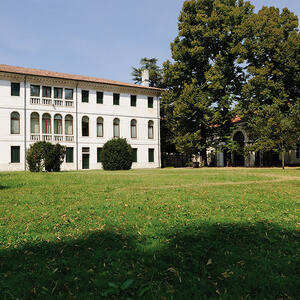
column 271, row 55
column 155, row 72
column 206, row 56
column 116, row 155
column 273, row 130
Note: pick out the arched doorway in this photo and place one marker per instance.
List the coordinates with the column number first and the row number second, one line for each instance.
column 238, row 158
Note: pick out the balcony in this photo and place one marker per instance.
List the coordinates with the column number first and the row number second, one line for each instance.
column 50, row 101
column 50, row 138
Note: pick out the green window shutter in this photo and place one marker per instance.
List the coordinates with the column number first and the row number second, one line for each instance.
column 15, row 154
column 100, row 97
column 99, row 150
column 15, row 89
column 69, row 154
column 134, row 154
column 150, row 102
column 116, row 99
column 151, row 155
column 133, row 100
column 85, row 96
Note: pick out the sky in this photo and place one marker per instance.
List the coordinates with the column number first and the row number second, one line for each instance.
column 101, row 38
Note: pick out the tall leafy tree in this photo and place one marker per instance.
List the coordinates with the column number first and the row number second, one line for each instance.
column 155, row 72
column 273, row 130
column 206, row 57
column 271, row 54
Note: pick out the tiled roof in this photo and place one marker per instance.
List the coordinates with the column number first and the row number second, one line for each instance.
column 43, row 73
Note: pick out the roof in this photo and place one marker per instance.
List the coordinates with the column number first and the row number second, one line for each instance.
column 43, row 73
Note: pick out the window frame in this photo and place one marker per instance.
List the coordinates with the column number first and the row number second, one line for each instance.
column 88, row 126
column 134, row 155
column 71, row 120
column 116, row 124
column 68, row 160
column 150, row 102
column 13, row 91
column 85, row 96
column 99, row 151
column 11, row 119
column 133, row 124
column 12, row 157
column 151, row 155
column 46, row 123
column 116, row 99
column 39, row 124
column 133, row 100
column 38, row 88
column 98, row 123
column 55, row 92
column 56, row 124
column 99, row 100
column 71, row 90
column 45, row 90
column 151, row 126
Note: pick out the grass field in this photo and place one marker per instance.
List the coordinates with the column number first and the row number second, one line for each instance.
column 150, row 234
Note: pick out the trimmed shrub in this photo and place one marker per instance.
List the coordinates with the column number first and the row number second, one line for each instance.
column 116, row 155
column 45, row 156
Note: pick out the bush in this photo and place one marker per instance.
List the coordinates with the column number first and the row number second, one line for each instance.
column 45, row 156
column 116, row 155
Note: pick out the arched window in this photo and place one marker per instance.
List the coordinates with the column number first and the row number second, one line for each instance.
column 35, row 123
column 85, row 126
column 68, row 125
column 58, row 124
column 116, row 127
column 133, row 130
column 46, row 123
column 15, row 123
column 99, row 127
column 150, row 130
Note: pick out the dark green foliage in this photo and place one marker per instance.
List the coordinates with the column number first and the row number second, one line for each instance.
column 116, row 155
column 155, row 72
column 45, row 156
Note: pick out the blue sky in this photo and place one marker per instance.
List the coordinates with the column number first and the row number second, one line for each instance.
column 102, row 38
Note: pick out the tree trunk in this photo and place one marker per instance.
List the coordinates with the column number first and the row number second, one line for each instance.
column 203, row 155
column 282, row 159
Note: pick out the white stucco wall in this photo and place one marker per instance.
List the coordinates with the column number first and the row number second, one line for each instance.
column 124, row 112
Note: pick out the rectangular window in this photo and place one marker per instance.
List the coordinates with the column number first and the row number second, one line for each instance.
column 47, row 91
column 133, row 100
column 34, row 90
column 84, row 96
column 15, row 154
column 151, row 155
column 69, row 154
column 85, row 149
column 99, row 150
column 298, row 152
column 58, row 93
column 116, row 99
column 134, row 154
column 100, row 97
column 150, row 102
column 15, row 89
column 69, row 94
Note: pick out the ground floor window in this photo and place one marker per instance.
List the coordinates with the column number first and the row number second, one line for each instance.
column 134, row 154
column 69, row 154
column 99, row 150
column 15, row 154
column 151, row 155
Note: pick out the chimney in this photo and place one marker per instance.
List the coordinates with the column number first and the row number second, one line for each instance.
column 145, row 77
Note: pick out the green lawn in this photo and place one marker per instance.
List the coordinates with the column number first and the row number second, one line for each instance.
column 150, row 234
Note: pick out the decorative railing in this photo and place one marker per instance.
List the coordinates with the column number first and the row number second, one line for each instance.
column 46, row 101
column 47, row 137
column 59, row 102
column 69, row 138
column 49, row 101
column 58, row 138
column 35, row 137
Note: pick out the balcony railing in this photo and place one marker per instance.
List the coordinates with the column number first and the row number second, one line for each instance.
column 50, row 137
column 50, row 101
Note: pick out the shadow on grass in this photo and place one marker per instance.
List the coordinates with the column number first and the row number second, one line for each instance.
column 258, row 261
